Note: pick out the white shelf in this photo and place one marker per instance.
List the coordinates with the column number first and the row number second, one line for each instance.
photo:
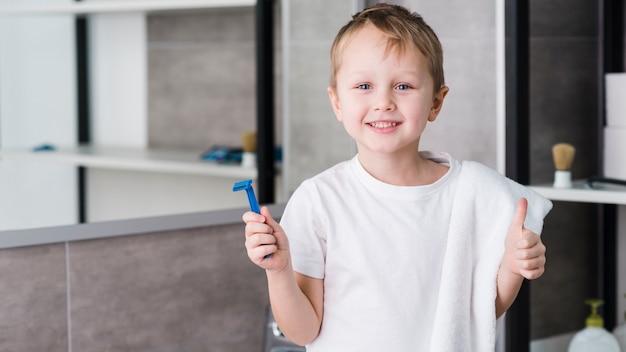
column 581, row 193
column 94, row 7
column 165, row 161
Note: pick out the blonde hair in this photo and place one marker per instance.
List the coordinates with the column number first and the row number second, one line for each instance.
column 403, row 29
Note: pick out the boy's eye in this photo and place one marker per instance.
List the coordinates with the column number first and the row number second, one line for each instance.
column 402, row 86
column 364, row 86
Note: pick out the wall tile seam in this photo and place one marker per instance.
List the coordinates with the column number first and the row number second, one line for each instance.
column 68, row 293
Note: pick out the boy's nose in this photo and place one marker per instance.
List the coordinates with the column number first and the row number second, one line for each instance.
column 384, row 101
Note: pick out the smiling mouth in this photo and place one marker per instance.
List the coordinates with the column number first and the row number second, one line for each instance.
column 382, row 124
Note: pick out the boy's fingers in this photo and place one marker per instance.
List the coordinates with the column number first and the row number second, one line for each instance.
column 250, row 216
column 265, row 211
column 520, row 214
column 529, row 239
column 277, row 230
column 269, row 219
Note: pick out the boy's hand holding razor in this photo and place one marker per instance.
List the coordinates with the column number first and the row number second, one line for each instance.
column 266, row 242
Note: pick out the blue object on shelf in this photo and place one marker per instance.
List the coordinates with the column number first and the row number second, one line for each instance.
column 44, row 148
column 223, row 154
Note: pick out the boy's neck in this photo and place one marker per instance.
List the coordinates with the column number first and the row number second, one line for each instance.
column 404, row 170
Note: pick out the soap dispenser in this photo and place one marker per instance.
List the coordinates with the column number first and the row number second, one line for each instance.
column 620, row 333
column 594, row 338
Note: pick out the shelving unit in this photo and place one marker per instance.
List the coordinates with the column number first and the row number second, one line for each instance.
column 609, row 197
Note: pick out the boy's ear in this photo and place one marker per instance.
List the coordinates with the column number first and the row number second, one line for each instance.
column 334, row 102
column 438, row 103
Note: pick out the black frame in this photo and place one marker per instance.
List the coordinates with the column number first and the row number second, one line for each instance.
column 517, row 52
column 265, row 101
column 83, row 109
column 611, row 59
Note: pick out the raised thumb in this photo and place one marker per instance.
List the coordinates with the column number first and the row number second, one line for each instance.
column 520, row 214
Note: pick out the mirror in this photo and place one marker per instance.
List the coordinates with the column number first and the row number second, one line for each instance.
column 161, row 88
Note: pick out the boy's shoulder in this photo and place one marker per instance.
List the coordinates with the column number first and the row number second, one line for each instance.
column 333, row 175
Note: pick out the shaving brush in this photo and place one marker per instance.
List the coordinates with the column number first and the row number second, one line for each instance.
column 563, row 155
column 248, row 141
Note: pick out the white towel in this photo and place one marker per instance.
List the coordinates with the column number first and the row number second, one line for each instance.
column 483, row 210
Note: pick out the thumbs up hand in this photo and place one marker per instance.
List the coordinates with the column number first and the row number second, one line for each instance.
column 524, row 253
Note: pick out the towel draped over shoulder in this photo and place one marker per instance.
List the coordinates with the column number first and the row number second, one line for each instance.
column 483, row 209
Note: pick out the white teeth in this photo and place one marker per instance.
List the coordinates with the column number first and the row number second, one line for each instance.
column 383, row 124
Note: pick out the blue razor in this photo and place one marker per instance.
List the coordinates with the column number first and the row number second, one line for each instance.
column 247, row 185
column 254, row 205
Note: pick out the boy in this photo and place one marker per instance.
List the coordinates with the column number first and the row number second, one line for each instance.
column 396, row 250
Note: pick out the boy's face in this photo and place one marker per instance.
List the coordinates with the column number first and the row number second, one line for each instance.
column 384, row 101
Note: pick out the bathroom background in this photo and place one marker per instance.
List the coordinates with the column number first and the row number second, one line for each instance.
column 200, row 92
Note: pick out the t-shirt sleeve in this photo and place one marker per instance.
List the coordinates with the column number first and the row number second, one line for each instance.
column 303, row 222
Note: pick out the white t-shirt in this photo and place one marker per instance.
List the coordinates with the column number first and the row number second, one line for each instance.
column 379, row 249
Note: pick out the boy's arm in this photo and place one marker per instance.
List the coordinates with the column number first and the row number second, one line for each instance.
column 296, row 299
column 297, row 304
column 524, row 257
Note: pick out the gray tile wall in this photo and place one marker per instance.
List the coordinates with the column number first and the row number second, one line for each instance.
column 34, row 299
column 314, row 139
column 467, row 33
column 192, row 290
column 202, row 77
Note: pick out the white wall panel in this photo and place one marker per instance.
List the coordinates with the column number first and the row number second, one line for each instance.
column 118, row 79
column 37, row 105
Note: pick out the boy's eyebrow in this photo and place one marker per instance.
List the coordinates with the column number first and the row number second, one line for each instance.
column 415, row 73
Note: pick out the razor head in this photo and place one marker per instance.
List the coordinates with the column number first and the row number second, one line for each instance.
column 241, row 185
column 247, row 186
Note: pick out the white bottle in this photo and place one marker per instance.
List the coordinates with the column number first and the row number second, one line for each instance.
column 594, row 338
column 620, row 333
